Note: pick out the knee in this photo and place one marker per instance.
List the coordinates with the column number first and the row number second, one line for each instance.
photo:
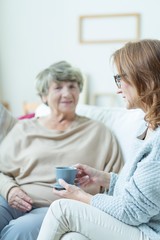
column 58, row 207
column 20, row 231
column 62, row 207
column 4, row 213
column 24, row 227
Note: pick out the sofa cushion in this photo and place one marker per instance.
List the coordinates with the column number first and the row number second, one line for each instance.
column 7, row 121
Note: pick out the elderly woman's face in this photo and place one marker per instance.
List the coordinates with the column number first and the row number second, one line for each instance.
column 63, row 96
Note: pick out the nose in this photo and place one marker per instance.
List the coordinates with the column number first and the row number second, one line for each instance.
column 66, row 91
column 119, row 91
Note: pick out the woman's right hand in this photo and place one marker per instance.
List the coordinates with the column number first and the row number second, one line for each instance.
column 19, row 199
column 87, row 175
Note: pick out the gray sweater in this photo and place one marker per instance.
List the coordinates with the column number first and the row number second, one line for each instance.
column 134, row 195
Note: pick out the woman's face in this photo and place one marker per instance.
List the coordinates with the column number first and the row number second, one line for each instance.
column 129, row 94
column 63, row 96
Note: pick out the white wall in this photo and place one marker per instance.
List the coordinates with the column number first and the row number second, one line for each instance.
column 37, row 33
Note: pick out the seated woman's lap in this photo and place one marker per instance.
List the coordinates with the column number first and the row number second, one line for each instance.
column 19, row 224
column 66, row 216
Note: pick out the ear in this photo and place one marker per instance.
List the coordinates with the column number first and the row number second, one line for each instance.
column 45, row 100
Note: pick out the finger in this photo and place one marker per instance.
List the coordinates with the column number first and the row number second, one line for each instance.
column 25, row 197
column 83, row 180
column 19, row 206
column 63, row 183
column 19, row 194
column 80, row 166
column 21, row 202
column 58, row 192
column 77, row 165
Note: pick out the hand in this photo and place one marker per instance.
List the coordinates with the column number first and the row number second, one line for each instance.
column 19, row 199
column 88, row 176
column 72, row 192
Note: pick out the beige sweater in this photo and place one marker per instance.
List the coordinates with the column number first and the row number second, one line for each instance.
column 30, row 153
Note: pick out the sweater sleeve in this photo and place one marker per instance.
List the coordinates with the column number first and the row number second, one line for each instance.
column 8, row 169
column 113, row 180
column 139, row 198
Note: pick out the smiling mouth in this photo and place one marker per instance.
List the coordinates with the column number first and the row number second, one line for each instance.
column 67, row 102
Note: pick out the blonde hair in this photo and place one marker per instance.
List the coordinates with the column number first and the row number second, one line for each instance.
column 139, row 63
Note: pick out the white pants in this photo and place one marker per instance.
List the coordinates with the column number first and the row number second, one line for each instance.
column 73, row 220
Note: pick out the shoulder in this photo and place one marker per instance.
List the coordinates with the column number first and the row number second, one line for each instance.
column 22, row 126
column 154, row 138
column 20, row 132
column 149, row 149
column 157, row 131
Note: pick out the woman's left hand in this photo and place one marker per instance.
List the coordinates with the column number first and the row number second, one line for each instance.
column 72, row 192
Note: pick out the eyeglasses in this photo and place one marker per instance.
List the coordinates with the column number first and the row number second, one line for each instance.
column 117, row 79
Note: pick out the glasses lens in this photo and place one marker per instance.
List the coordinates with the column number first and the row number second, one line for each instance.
column 117, row 79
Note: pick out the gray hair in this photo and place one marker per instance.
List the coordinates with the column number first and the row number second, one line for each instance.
column 57, row 72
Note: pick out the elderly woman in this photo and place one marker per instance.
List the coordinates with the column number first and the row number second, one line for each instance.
column 130, row 207
column 33, row 148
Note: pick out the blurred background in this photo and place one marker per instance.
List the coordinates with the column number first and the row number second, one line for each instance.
column 37, row 33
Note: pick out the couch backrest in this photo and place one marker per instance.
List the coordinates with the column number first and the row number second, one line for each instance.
column 122, row 122
column 7, row 121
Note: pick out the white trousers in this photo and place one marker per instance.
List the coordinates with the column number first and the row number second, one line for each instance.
column 72, row 220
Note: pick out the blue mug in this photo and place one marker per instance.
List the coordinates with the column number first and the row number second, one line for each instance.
column 68, row 174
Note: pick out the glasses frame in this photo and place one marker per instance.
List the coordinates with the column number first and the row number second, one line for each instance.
column 117, row 79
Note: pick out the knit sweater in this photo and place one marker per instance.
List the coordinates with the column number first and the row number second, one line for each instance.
column 30, row 153
column 134, row 195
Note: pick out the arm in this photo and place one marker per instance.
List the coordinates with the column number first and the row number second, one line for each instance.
column 9, row 170
column 139, row 198
column 72, row 192
column 87, row 175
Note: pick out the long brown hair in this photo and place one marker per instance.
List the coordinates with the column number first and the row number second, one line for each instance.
column 139, row 63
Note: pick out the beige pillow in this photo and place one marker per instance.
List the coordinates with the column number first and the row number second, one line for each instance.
column 7, row 121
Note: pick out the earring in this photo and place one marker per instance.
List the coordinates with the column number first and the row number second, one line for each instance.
column 46, row 103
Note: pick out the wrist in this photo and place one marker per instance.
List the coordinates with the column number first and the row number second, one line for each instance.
column 86, row 198
column 105, row 181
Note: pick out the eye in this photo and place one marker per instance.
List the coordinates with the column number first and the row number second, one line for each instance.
column 58, row 87
column 72, row 86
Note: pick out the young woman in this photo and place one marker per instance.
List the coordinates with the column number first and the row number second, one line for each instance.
column 130, row 206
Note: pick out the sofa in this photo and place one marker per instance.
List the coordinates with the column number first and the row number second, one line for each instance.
column 7, row 121
column 123, row 123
